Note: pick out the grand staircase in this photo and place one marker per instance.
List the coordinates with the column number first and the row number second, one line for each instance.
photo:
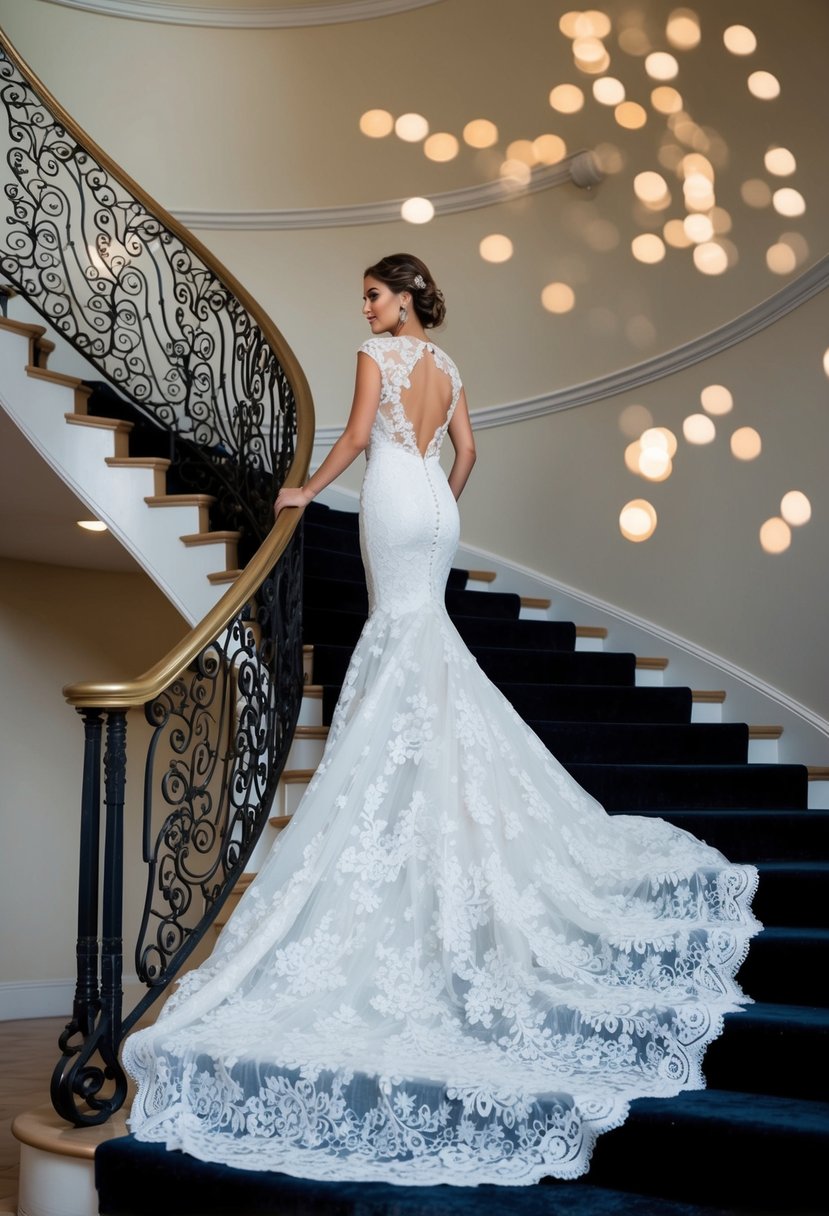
column 754, row 1140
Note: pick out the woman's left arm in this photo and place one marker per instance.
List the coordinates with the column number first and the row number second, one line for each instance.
column 350, row 444
column 463, row 441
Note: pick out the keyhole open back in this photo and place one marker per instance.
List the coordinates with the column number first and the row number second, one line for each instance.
column 427, row 400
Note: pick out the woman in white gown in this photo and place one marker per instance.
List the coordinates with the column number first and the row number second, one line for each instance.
column 455, row 966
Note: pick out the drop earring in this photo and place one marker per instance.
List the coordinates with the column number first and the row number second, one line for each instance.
column 404, row 314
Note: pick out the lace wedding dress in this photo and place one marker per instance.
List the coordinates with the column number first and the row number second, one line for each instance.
column 454, row 966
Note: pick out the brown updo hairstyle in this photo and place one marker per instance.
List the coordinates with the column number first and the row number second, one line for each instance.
column 398, row 272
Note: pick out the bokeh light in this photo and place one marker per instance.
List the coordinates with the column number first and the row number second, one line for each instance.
column 698, row 228
column 675, row 235
column 441, row 146
column 634, row 419
column 558, row 297
column 516, row 172
column 648, row 248
column 376, row 123
column 787, row 201
column 652, row 189
column 549, row 149
column 417, row 210
column 592, row 23
column 716, row 399
column 779, row 161
column 795, row 508
column 710, row 258
column 698, row 429
column 480, row 133
column 654, row 463
column 496, row 248
column 746, row 443
column 775, row 535
column 781, row 258
column 634, row 41
column 630, row 115
column 755, row 192
column 608, row 90
column 523, row 150
column 601, row 235
column 566, row 98
column 637, row 520
column 764, row 86
column 682, row 29
column 666, row 99
column 660, row 437
column 589, row 50
column 411, row 128
column 661, row 66
column 739, row 40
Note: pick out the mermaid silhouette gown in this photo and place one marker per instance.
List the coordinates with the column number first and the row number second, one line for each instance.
column 454, row 966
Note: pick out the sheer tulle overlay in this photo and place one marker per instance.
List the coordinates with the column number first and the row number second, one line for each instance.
column 454, row 966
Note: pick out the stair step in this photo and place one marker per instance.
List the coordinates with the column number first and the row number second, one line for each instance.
column 201, row 501
column 223, row 576
column 788, row 965
column 632, row 787
column 749, row 834
column 642, row 743
column 787, row 1038
column 157, row 464
column 104, row 424
column 482, row 576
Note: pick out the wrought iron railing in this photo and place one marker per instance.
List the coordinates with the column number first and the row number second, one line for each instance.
column 159, row 318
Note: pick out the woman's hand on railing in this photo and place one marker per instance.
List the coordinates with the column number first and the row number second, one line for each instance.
column 291, row 497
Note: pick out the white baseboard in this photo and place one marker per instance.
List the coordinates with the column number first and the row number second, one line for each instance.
column 35, row 999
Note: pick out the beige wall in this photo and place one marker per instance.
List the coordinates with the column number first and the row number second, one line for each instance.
column 230, row 119
column 58, row 625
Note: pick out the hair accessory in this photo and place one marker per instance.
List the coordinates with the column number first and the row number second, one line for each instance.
column 419, row 282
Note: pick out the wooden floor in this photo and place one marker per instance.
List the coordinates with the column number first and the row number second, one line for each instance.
column 28, row 1053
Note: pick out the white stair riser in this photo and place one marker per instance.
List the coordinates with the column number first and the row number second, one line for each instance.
column 51, row 1183
column 534, row 614
column 763, row 751
column 591, row 644
column 648, row 677
column 310, row 712
column 291, row 792
column 706, row 711
column 305, row 753
column 818, row 796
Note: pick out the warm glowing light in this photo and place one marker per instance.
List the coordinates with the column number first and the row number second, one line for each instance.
column 376, row 123
column 589, row 50
column 594, row 67
column 495, row 248
column 797, row 243
column 411, row 128
column 566, row 98
column 666, row 99
column 648, row 248
column 675, row 234
column 682, row 29
column 698, row 429
column 746, row 444
column 710, row 258
column 651, row 188
column 696, row 163
column 661, row 66
column 630, row 115
column 523, row 150
column 634, row 41
column 763, row 85
column 826, row 361
column 632, row 453
column 755, row 192
column 601, row 235
column 592, row 23
column 608, row 90
column 634, row 419
column 720, row 220
column 698, row 228
column 780, row 162
column 609, row 158
column 637, row 520
column 659, row 437
column 655, row 464
column 567, row 23
column 795, row 508
column 441, row 146
column 558, row 297
column 549, row 149
column 716, row 399
column 480, row 133
column 516, row 172
column 729, row 249
column 740, row 40
column 92, row 525
column 787, row 201
column 698, row 192
column 781, row 258
column 417, row 210
column 775, row 535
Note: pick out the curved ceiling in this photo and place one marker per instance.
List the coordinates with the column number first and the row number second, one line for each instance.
column 254, row 14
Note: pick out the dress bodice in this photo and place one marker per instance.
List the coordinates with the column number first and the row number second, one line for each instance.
column 397, row 358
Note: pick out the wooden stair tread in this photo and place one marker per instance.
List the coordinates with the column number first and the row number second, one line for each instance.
column 534, row 601
column 764, row 732
column 43, row 373
column 314, row 691
column 279, row 821
column 138, row 462
column 297, row 776
column 210, row 538
column 105, row 424
column 707, row 695
column 482, row 576
column 818, row 772
column 180, row 500
column 311, row 732
column 591, row 631
column 26, row 328
column 650, row 664
column 224, row 576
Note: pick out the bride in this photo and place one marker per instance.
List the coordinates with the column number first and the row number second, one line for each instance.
column 454, row 966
